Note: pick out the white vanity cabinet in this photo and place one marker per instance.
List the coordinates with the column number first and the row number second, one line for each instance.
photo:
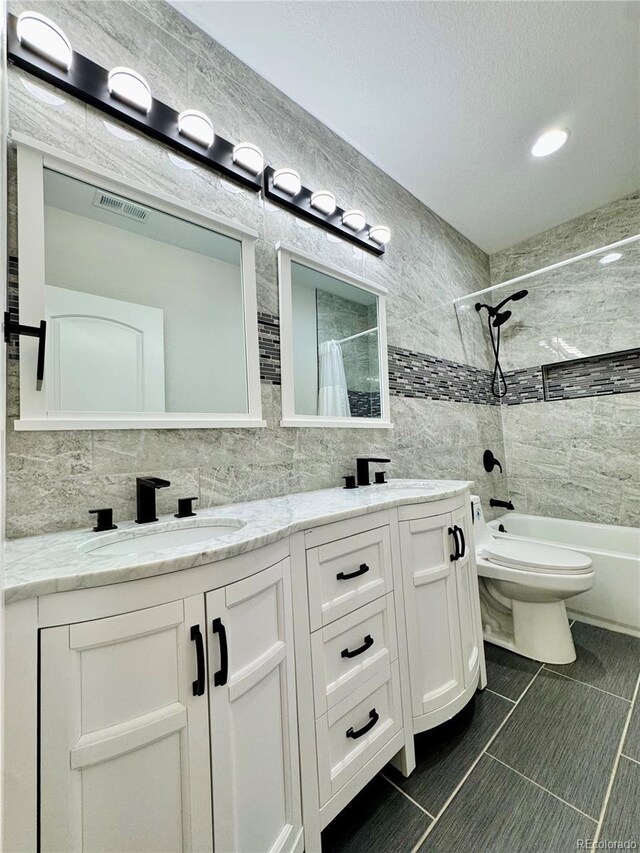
column 442, row 609
column 174, row 727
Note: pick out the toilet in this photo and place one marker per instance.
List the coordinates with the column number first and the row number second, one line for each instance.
column 523, row 587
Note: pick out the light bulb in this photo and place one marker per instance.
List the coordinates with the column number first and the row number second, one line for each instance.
column 380, row 234
column 353, row 219
column 249, row 157
column 45, row 37
column 324, row 201
column 549, row 142
column 197, row 127
column 287, row 180
column 128, row 86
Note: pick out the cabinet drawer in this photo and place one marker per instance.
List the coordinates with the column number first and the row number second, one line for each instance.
column 346, row 574
column 356, row 729
column 351, row 650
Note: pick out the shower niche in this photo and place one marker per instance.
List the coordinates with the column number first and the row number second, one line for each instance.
column 333, row 345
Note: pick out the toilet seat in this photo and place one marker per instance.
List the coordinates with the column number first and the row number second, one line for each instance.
column 535, row 557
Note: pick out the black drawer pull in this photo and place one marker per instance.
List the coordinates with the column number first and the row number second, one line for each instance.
column 364, row 568
column 220, row 677
column 452, row 532
column 196, row 637
column 368, row 642
column 463, row 544
column 374, row 716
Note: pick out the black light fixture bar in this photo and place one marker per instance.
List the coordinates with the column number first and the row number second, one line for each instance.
column 300, row 204
column 88, row 81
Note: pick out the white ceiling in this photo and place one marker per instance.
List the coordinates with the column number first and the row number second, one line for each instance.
column 448, row 97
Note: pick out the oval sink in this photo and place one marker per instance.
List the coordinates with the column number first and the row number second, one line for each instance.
column 141, row 542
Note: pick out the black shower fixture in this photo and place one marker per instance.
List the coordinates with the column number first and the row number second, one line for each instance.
column 496, row 319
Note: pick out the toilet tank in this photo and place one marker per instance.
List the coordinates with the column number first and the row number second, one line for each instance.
column 481, row 533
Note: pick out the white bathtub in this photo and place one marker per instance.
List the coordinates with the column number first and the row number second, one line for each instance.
column 614, row 600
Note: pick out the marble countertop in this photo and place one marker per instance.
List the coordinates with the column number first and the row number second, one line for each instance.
column 57, row 562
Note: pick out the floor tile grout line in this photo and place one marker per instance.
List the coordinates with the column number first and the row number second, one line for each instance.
column 501, row 695
column 616, row 764
column 542, row 788
column 628, row 757
column 404, row 794
column 471, row 769
column 586, row 684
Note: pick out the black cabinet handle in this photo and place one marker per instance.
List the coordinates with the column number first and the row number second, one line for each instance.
column 368, row 642
column 463, row 544
column 196, row 636
column 220, row 677
column 374, row 716
column 39, row 332
column 452, row 532
column 364, row 568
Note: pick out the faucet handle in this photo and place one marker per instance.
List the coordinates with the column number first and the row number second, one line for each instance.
column 185, row 510
column 104, row 520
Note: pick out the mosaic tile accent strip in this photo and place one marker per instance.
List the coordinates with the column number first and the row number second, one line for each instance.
column 13, row 349
column 612, row 373
column 364, row 404
column 414, row 374
column 269, row 346
column 523, row 386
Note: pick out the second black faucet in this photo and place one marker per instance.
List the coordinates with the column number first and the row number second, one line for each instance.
column 146, row 498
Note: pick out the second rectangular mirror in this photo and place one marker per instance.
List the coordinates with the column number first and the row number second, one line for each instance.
column 333, row 346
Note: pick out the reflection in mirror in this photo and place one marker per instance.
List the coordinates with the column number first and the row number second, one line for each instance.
column 145, row 310
column 335, row 346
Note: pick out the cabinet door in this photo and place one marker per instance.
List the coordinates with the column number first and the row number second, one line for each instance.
column 431, row 607
column 254, row 747
column 124, row 740
column 468, row 597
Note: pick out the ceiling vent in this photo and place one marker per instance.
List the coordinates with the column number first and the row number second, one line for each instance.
column 120, row 206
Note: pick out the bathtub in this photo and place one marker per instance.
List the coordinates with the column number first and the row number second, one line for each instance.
column 614, row 600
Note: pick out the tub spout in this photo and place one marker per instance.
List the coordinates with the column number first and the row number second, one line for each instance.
column 503, row 504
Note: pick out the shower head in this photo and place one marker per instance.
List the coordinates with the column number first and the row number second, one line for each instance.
column 515, row 297
column 500, row 319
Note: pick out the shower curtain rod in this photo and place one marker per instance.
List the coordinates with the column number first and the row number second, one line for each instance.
column 359, row 335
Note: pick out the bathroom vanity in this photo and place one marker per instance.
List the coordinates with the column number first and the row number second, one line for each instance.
column 227, row 692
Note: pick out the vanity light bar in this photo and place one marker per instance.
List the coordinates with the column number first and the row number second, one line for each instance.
column 37, row 45
column 89, row 82
column 301, row 204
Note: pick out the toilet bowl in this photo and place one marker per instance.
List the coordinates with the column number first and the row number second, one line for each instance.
column 523, row 587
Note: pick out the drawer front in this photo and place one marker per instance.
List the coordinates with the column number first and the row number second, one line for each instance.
column 347, row 574
column 356, row 729
column 352, row 650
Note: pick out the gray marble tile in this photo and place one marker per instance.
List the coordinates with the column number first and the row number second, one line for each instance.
column 631, row 746
column 49, row 454
column 622, row 818
column 379, row 818
column 606, row 659
column 446, row 753
column 497, row 810
column 508, row 673
column 564, row 736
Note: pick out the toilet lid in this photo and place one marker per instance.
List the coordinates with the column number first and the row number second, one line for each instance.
column 535, row 556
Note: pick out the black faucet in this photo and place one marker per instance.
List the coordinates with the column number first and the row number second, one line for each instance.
column 504, row 504
column 146, row 497
column 362, row 468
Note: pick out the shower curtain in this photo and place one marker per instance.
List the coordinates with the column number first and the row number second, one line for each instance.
column 332, row 392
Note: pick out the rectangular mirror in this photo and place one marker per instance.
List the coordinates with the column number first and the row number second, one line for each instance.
column 146, row 308
column 333, row 346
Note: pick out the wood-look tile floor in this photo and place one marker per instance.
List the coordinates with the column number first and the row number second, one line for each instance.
column 547, row 758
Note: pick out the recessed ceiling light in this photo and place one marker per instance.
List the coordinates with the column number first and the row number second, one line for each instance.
column 610, row 258
column 549, row 142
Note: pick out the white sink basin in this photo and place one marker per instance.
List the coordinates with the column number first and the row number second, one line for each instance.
column 144, row 541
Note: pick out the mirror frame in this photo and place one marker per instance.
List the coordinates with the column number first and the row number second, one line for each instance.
column 33, row 158
column 287, row 255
